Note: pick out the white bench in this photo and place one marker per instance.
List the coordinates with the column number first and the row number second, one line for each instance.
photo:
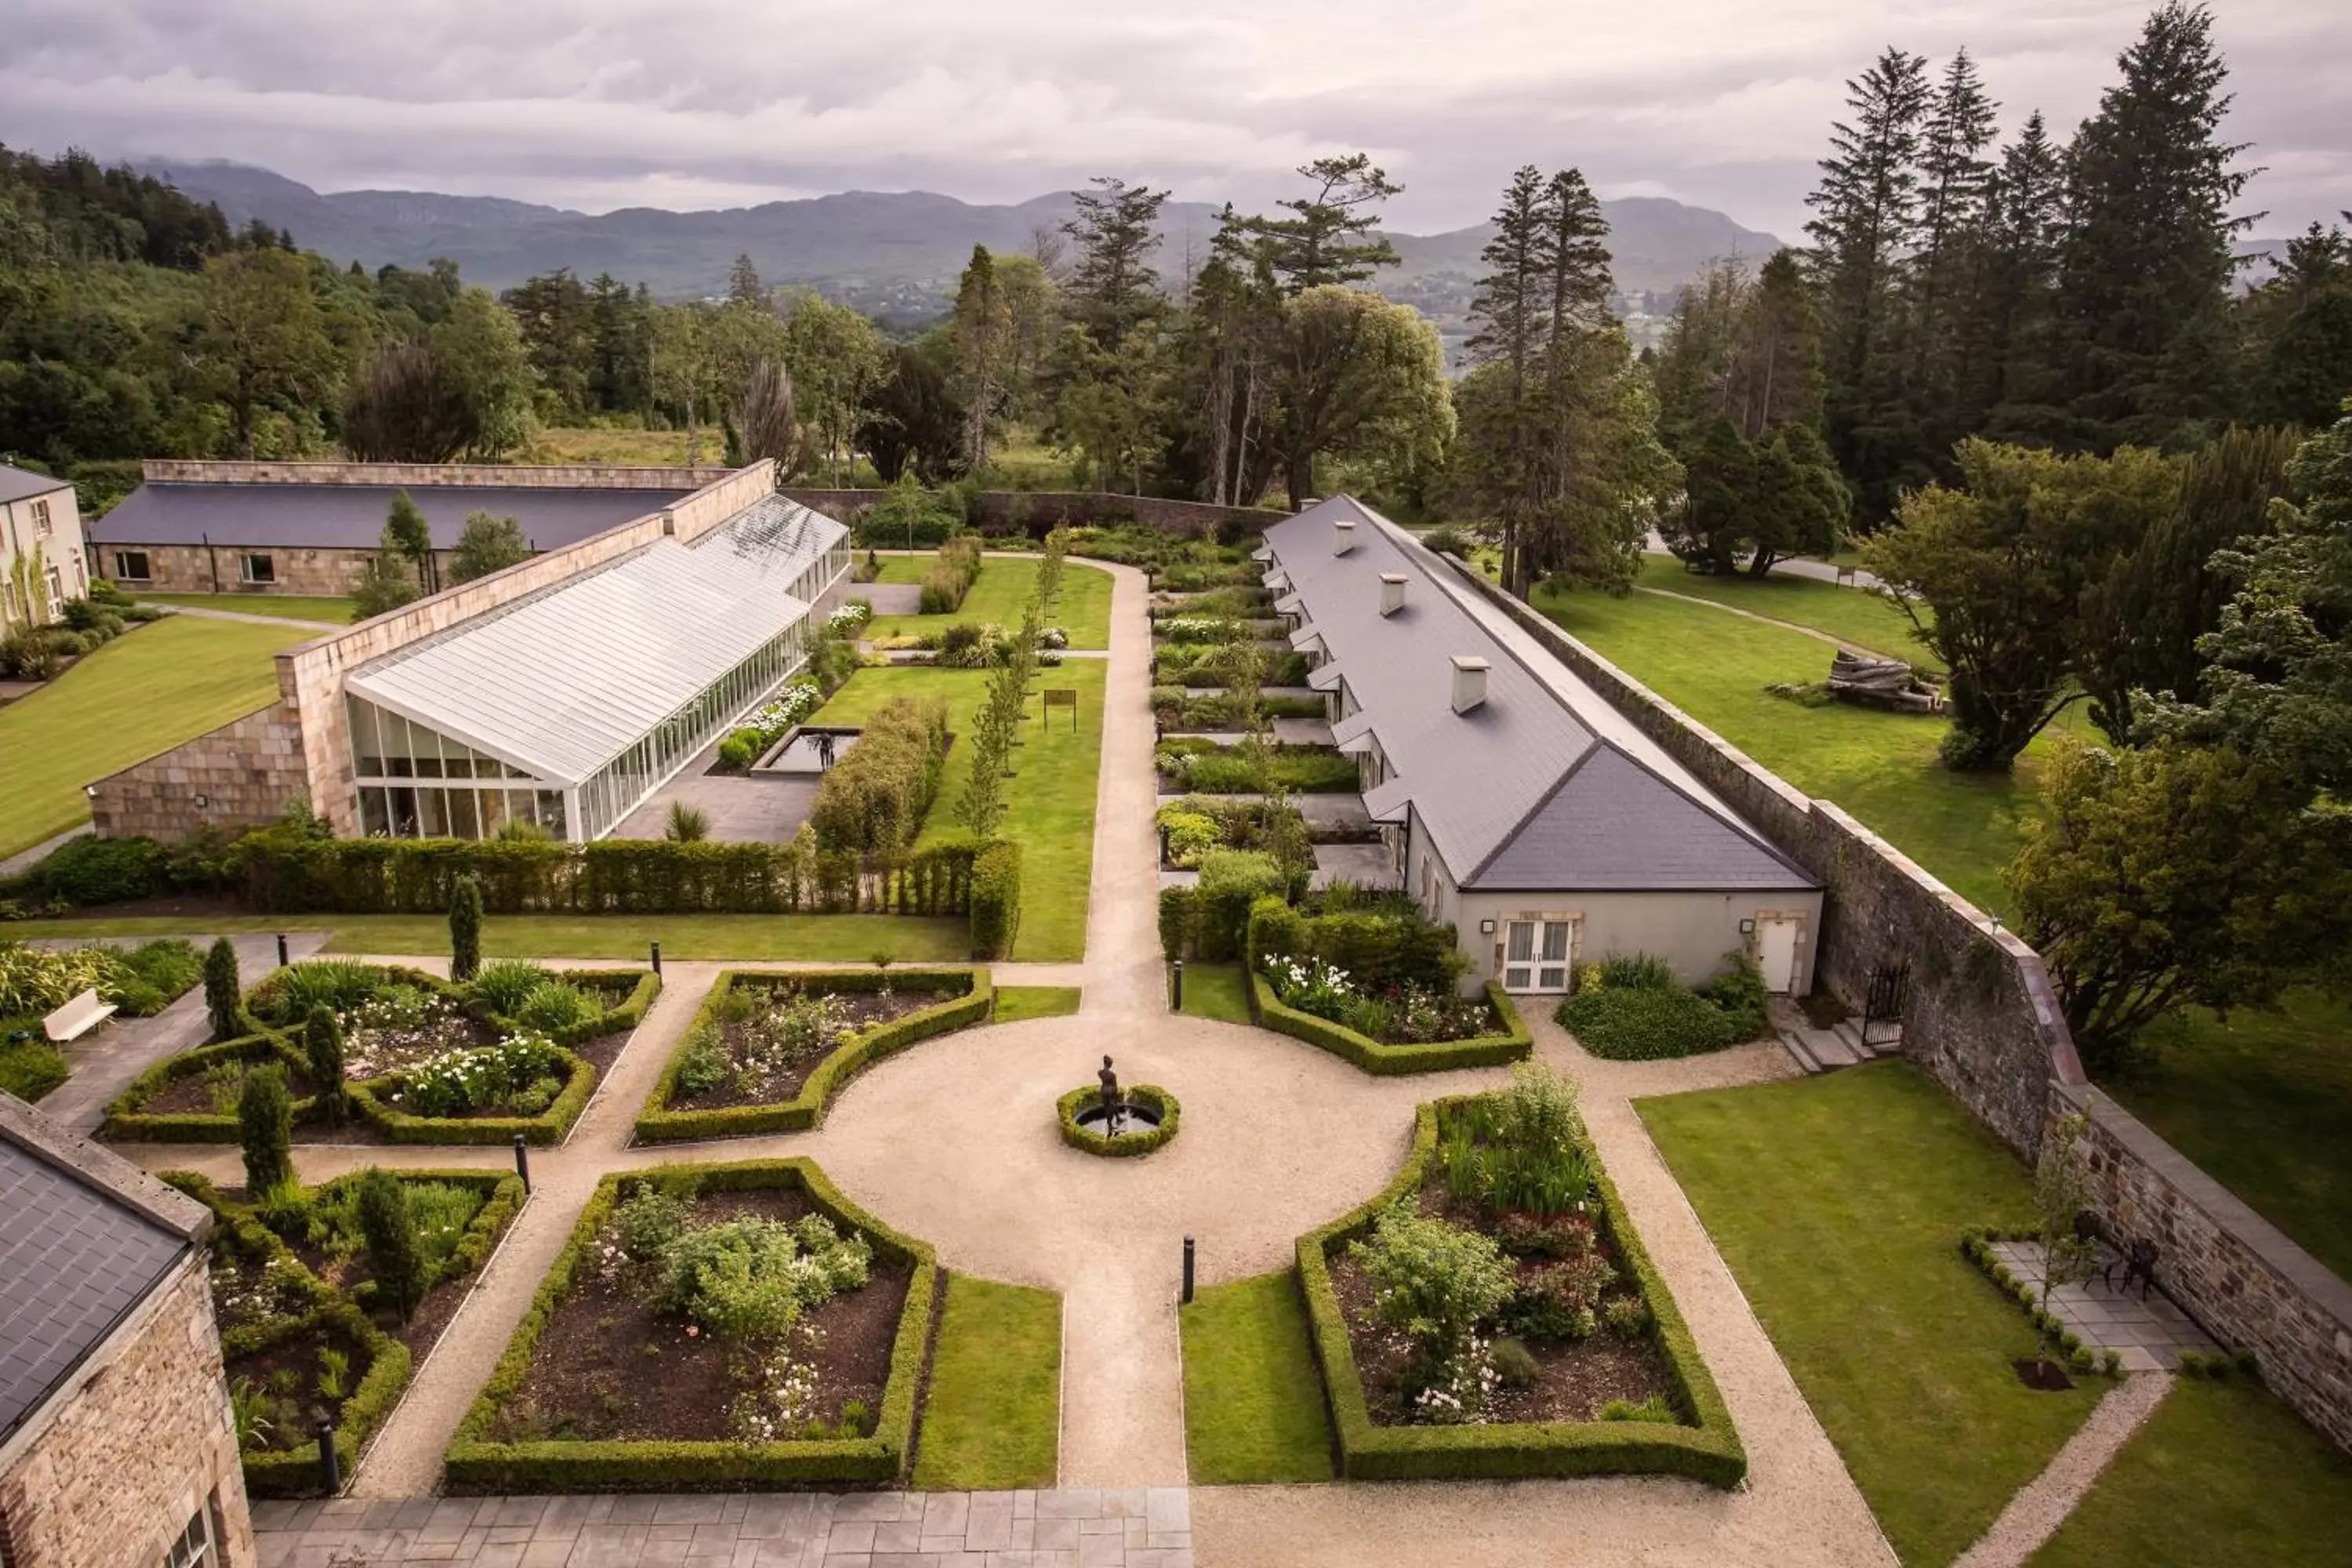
column 78, row 1017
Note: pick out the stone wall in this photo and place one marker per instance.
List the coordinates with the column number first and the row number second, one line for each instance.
column 2244, row 1282
column 134, row 1445
column 1009, row 511
column 242, row 774
column 410, row 475
column 213, row 569
column 1980, row 1012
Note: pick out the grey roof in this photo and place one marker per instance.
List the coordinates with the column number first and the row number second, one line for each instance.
column 84, row 1237
column 564, row 681
column 351, row 516
column 1544, row 786
column 22, row 484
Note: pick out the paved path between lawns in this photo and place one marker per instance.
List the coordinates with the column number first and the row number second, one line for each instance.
column 2034, row 1514
column 206, row 612
column 1814, row 632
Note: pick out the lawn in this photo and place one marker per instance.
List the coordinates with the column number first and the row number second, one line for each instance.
column 1218, row 991
column 1018, row 1004
column 993, row 1421
column 1253, row 1400
column 1838, row 1202
column 833, row 938
column 2222, row 1473
column 290, row 606
column 140, row 694
column 1049, row 807
column 1881, row 767
column 1863, row 619
column 1001, row 593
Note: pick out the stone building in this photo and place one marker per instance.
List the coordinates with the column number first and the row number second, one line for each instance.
column 116, row 1443
column 41, row 565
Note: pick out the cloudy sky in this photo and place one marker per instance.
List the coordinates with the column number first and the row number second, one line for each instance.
column 595, row 104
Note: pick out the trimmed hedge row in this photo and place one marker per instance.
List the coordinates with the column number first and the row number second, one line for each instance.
column 995, row 900
column 372, row 1101
column 475, row 1464
column 619, row 1018
column 1384, row 1060
column 1976, row 1246
column 1708, row 1451
column 126, row 1121
column 1129, row 1144
column 295, row 1472
column 805, row 1111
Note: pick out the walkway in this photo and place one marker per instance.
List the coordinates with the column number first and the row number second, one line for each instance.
column 206, row 612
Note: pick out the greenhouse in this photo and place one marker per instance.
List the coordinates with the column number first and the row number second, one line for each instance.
column 570, row 707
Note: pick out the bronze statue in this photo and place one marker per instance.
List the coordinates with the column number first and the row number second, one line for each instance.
column 1111, row 1104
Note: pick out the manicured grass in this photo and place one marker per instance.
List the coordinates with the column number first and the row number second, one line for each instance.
column 2222, row 1473
column 2262, row 1103
column 1219, row 991
column 1839, row 1202
column 993, row 1421
column 142, row 693
column 837, row 939
column 1001, row 593
column 1253, row 1399
column 1049, row 807
column 1016, row 1003
column 1863, row 619
column 1881, row 767
column 291, row 607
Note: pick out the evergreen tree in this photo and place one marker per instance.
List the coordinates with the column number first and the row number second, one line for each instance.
column 743, row 285
column 2301, row 327
column 322, row 1045
column 465, row 930
column 1112, row 288
column 1328, row 237
column 2145, row 269
column 2012, row 349
column 1948, row 270
column 981, row 325
column 265, row 1125
column 406, row 533
column 487, row 543
column 224, row 1006
column 387, row 581
column 913, row 419
column 1232, row 341
column 388, row 1228
column 1511, row 322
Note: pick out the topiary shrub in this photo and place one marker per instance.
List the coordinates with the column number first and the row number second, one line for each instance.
column 1231, row 881
column 465, row 930
column 265, row 1123
column 223, row 1005
column 995, row 900
column 323, row 1046
column 394, row 1252
column 1176, row 923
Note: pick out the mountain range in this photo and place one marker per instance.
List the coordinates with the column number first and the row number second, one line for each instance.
column 894, row 254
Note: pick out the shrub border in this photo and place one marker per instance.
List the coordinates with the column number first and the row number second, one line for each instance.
column 1709, row 1451
column 126, row 1122
column 550, row 1126
column 1976, row 1246
column 1514, row 1044
column 294, row 1472
column 1132, row 1146
column 476, row 1465
column 656, row 1123
column 624, row 1015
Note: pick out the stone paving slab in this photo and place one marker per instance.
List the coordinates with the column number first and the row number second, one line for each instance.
column 2146, row 1329
column 1132, row 1527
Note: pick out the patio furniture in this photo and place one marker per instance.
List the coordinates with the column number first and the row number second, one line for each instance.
column 76, row 1017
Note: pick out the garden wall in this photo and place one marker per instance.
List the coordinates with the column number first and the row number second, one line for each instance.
column 1008, row 511
column 1981, row 1017
column 243, row 775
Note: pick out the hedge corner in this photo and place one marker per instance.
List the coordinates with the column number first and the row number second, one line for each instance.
column 1512, row 1044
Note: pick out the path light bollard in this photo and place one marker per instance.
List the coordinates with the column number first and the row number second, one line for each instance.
column 522, row 1163
column 331, row 1461
column 1188, row 1271
column 1178, row 973
column 1163, row 856
column 656, row 958
column 281, row 950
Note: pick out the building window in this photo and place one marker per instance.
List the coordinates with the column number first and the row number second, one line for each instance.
column 130, row 565
column 256, row 569
column 41, row 515
column 197, row 1546
column 57, row 588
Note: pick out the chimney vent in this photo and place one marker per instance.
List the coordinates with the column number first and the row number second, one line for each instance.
column 1391, row 592
column 1343, row 535
column 1469, row 682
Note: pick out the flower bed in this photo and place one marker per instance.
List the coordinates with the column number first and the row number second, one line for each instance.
column 1634, row 1009
column 747, row 1065
column 1204, row 767
column 191, row 1098
column 1089, row 1141
column 1210, row 664
column 1484, row 1231
column 711, row 1326
column 750, row 740
column 1506, row 1038
column 283, row 1305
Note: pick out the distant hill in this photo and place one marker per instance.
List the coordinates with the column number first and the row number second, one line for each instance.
column 893, row 254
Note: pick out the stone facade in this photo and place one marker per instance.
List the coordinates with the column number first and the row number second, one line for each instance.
column 132, row 1447
column 1009, row 511
column 242, row 774
column 40, row 536
column 219, row 569
column 2244, row 1282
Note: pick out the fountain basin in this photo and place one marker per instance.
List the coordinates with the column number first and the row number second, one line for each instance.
column 1148, row 1118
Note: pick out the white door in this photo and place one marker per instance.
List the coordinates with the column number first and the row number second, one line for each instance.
column 1537, row 954
column 1776, row 954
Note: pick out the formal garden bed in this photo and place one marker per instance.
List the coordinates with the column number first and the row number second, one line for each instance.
column 1636, row 1009
column 520, row 1048
column 1201, row 766
column 711, row 1326
column 329, row 1297
column 1493, row 1313
column 1219, row 664
column 1177, row 709
column 1141, row 1135
column 140, row 982
column 769, row 1049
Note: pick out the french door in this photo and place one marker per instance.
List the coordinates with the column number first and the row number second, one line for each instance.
column 1537, row 954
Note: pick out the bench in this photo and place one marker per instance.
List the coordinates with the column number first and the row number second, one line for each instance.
column 78, row 1017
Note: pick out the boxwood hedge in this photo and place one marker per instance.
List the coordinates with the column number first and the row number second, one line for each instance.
column 1385, row 1061
column 477, row 1464
column 128, row 1119
column 1708, row 1450
column 657, row 1123
column 1128, row 1144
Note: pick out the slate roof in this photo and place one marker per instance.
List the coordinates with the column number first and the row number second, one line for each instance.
column 566, row 679
column 22, row 484
column 351, row 516
column 1542, row 786
column 77, row 1254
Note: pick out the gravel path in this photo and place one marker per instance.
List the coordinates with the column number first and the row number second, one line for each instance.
column 2033, row 1515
